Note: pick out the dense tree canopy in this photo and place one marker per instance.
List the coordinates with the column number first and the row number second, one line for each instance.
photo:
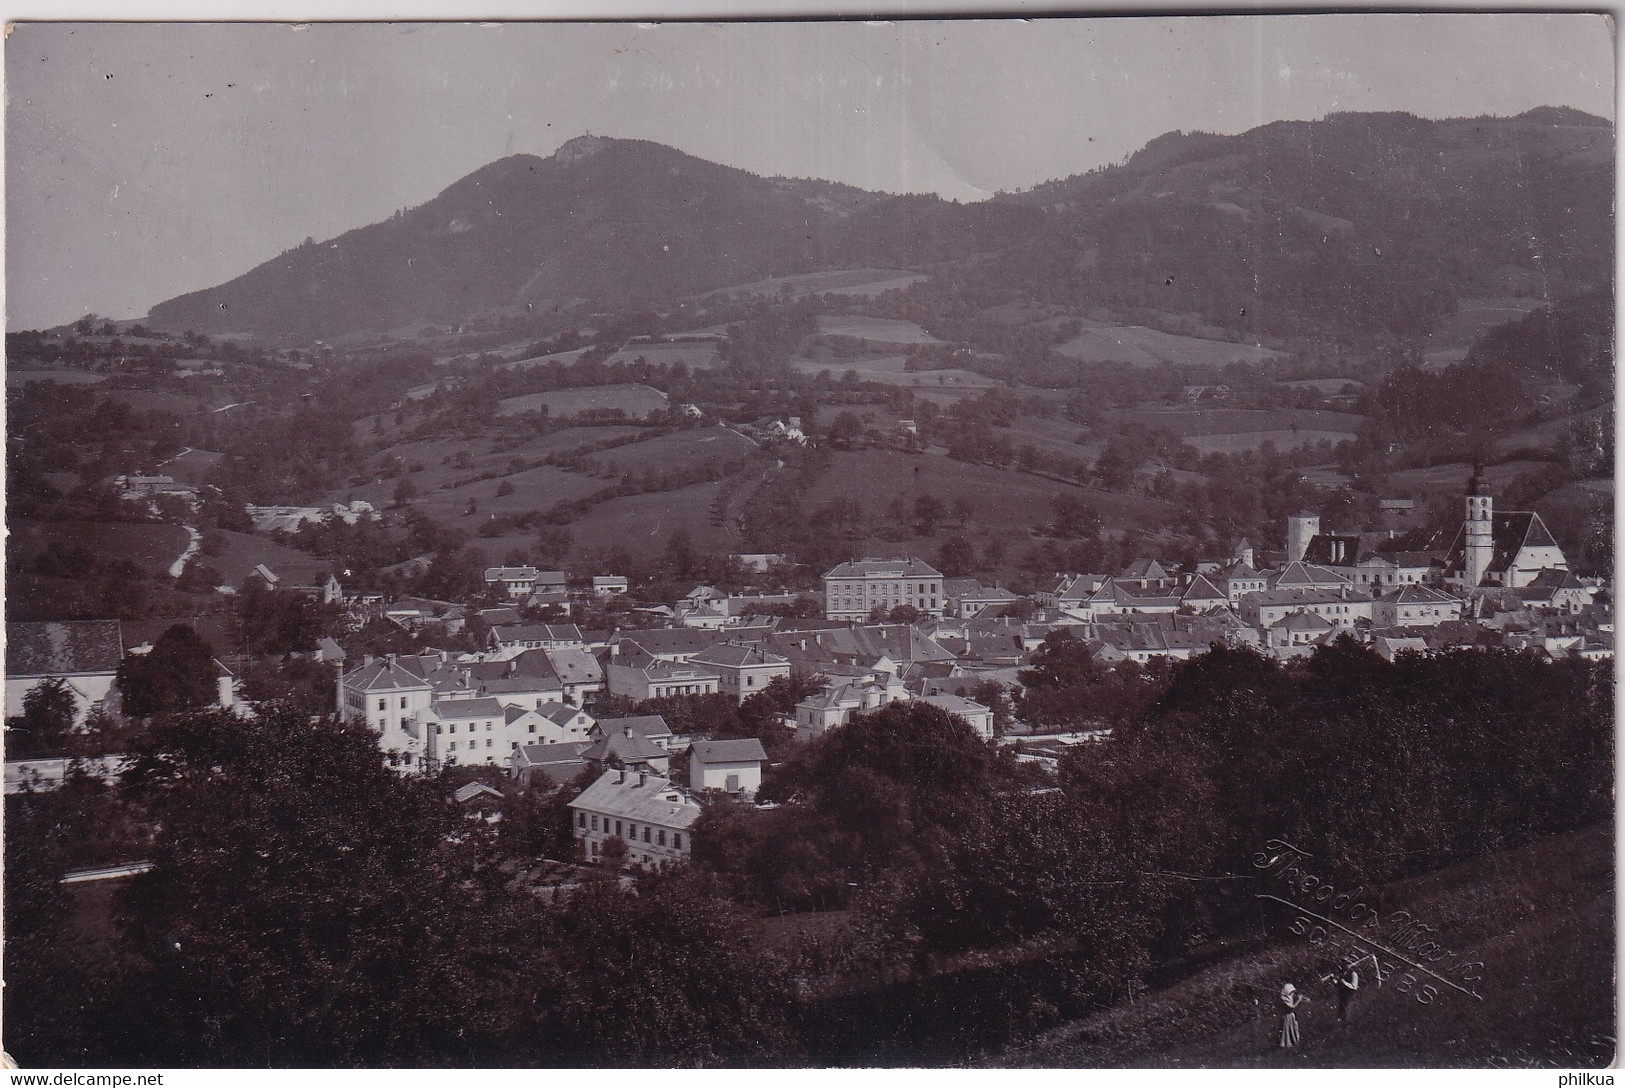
column 178, row 673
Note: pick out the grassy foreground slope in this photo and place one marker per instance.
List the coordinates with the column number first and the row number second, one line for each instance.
column 1541, row 918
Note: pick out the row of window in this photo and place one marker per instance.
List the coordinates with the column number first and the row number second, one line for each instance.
column 631, row 833
column 472, row 728
column 473, row 744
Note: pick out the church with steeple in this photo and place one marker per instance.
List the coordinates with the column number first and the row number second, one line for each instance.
column 1505, row 549
column 1508, row 548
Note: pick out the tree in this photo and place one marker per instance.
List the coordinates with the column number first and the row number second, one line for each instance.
column 844, row 430
column 928, row 512
column 405, row 491
column 178, row 673
column 657, row 975
column 957, row 557
column 304, row 907
column 552, row 545
column 962, row 510
column 903, row 613
column 46, row 720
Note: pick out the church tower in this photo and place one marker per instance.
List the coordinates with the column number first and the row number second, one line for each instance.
column 1477, row 530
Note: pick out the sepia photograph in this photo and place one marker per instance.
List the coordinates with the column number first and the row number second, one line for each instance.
column 990, row 543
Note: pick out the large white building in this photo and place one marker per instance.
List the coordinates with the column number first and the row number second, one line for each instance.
column 853, row 589
column 646, row 812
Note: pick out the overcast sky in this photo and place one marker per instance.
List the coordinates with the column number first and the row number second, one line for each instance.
column 145, row 160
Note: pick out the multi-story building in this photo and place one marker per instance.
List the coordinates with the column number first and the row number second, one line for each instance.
column 647, row 813
column 1414, row 606
column 518, row 582
column 743, row 670
column 852, row 590
column 389, row 696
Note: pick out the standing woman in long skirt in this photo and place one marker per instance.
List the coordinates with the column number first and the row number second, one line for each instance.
column 1290, row 1000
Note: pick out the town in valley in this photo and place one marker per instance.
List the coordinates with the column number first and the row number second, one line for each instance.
column 627, row 610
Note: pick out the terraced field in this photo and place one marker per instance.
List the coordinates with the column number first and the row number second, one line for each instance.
column 1137, row 346
column 877, row 329
column 891, row 370
column 635, row 400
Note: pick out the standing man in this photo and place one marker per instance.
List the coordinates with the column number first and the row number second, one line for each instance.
column 1347, row 987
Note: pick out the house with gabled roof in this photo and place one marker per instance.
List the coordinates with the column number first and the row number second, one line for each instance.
column 639, row 676
column 1069, row 590
column 1144, row 574
column 744, row 669
column 565, row 723
column 548, row 766
column 517, row 582
column 1415, row 606
column 845, row 695
column 622, row 747
column 388, row 695
column 578, row 671
column 1305, row 575
column 1266, row 609
column 733, row 766
column 1298, row 633
column 468, row 731
column 1555, row 591
column 975, row 715
column 84, row 654
column 1203, row 596
column 535, row 636
column 647, row 813
column 1238, row 579
column 651, row 727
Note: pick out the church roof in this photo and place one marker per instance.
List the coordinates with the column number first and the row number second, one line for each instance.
column 1510, row 532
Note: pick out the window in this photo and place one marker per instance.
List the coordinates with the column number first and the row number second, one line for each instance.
column 383, row 704
column 581, row 819
column 453, row 747
column 487, row 727
column 595, row 823
column 452, row 728
column 660, row 837
column 403, row 702
column 677, row 840
column 533, row 727
column 617, row 827
column 631, row 832
column 645, row 832
column 488, row 742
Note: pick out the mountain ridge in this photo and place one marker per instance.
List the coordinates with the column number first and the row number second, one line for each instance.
column 1336, row 223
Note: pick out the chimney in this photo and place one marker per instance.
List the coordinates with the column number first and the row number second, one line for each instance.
column 366, row 659
column 621, row 779
column 642, row 778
